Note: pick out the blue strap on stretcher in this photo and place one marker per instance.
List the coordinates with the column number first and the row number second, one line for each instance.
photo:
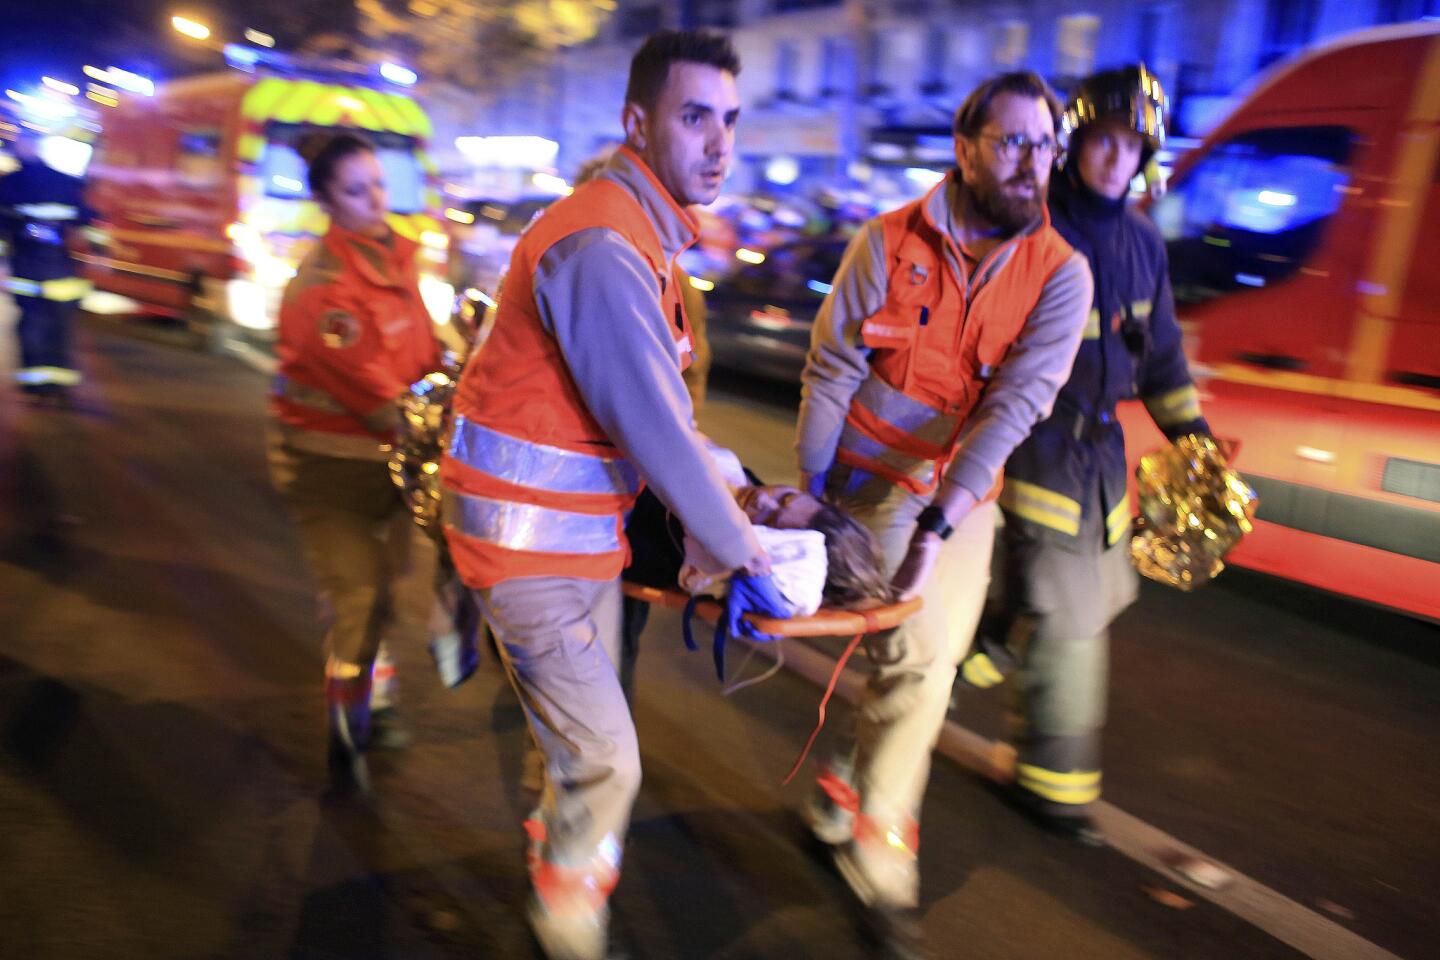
column 722, row 635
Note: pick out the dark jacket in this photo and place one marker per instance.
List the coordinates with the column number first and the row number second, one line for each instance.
column 1131, row 348
column 37, row 206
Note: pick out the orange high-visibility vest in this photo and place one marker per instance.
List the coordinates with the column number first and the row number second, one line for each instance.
column 533, row 485
column 934, row 351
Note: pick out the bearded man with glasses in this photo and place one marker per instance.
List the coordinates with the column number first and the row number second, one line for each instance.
column 950, row 328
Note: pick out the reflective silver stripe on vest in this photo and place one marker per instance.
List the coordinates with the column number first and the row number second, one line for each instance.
column 919, row 468
column 524, row 526
column 920, row 420
column 304, row 396
column 538, row 465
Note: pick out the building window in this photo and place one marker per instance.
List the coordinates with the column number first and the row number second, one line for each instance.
column 641, row 21
column 1011, row 43
column 1397, row 11
column 937, row 63
column 786, row 56
column 1289, row 25
column 837, row 67
column 1152, row 19
column 879, row 63
column 1075, row 44
column 695, row 14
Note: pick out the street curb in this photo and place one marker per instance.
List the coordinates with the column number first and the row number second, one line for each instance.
column 1284, row 919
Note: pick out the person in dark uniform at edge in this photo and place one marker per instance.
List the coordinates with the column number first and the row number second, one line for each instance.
column 38, row 207
column 1065, row 546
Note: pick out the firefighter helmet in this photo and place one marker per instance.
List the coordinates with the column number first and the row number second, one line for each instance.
column 1130, row 96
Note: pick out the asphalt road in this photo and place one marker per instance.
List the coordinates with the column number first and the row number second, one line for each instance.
column 161, row 742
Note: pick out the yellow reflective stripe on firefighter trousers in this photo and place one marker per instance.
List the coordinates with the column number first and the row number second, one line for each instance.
column 1038, row 505
column 1077, row 787
column 1180, row 405
column 1117, row 524
column 980, row 672
column 62, row 290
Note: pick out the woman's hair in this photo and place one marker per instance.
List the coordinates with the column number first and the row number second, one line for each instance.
column 854, row 578
column 322, row 153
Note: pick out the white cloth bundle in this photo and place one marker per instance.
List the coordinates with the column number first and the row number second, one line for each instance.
column 797, row 557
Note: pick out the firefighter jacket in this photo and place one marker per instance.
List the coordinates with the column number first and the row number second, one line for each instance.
column 354, row 334
column 1131, row 348
column 38, row 205
column 576, row 394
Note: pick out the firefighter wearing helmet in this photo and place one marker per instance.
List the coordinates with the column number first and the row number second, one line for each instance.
column 1065, row 545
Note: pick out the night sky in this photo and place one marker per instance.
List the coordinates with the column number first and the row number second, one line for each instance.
column 58, row 37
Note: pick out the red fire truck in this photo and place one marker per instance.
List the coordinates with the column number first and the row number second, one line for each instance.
column 201, row 198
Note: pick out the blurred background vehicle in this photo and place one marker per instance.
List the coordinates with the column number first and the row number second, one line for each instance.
column 1304, row 234
column 760, row 314
column 483, row 233
column 200, row 195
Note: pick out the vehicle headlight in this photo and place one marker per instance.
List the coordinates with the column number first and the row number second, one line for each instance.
column 247, row 302
column 439, row 298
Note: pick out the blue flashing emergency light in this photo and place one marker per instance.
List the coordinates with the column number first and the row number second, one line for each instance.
column 241, row 56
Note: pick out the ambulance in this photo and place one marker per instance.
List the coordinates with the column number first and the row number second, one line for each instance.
column 1304, row 243
column 201, row 201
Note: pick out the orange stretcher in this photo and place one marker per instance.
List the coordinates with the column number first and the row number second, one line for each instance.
column 822, row 623
column 857, row 624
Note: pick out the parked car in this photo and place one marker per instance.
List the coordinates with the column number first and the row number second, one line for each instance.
column 483, row 236
column 760, row 315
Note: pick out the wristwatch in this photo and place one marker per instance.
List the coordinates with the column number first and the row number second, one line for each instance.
column 932, row 520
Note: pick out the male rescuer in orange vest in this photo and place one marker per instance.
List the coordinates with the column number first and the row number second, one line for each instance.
column 952, row 324
column 574, row 400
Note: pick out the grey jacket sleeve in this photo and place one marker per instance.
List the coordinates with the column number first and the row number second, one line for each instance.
column 837, row 364
column 600, row 300
column 1022, row 390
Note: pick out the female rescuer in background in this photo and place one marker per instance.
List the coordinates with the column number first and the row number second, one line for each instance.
column 1065, row 546
column 354, row 334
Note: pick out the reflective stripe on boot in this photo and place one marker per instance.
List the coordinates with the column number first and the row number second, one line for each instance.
column 830, row 808
column 880, row 863
column 569, row 910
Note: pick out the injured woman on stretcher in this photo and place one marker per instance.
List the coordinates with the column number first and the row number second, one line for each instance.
column 820, row 556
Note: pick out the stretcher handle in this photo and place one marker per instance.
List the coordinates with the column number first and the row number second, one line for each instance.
column 825, row 622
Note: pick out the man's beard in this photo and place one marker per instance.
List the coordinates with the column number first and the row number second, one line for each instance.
column 1010, row 214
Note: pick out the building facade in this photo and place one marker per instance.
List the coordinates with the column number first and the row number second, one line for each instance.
column 835, row 87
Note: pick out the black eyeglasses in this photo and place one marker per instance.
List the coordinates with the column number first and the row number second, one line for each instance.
column 1014, row 146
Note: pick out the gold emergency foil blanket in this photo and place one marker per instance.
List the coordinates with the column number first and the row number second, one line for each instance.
column 419, row 443
column 1193, row 509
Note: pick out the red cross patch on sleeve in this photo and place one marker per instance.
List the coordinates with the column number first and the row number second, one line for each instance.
column 339, row 329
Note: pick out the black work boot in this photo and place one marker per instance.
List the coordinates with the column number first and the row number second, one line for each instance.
column 897, row 933
column 1077, row 826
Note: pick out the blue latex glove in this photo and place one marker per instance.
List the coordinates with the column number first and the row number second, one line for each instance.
column 756, row 593
column 748, row 594
column 815, row 485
